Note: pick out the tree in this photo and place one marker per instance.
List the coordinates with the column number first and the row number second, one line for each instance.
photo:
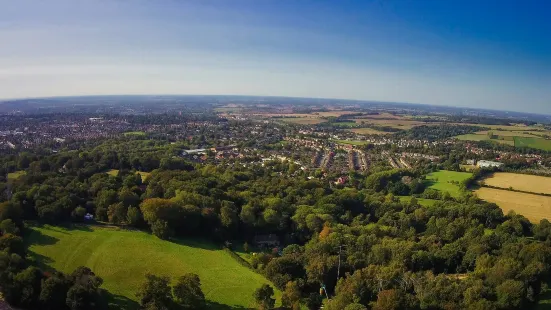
column 161, row 230
column 9, row 227
column 117, row 213
column 357, row 307
column 133, row 216
column 79, row 213
column 12, row 244
column 85, row 292
column 291, row 296
column 510, row 294
column 155, row 293
column 54, row 292
column 187, row 292
column 263, row 297
column 25, row 290
column 128, row 198
column 388, row 300
column 314, row 301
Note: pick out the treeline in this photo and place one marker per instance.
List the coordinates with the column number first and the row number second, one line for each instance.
column 439, row 132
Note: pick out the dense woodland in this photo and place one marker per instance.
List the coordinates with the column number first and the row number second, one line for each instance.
column 461, row 253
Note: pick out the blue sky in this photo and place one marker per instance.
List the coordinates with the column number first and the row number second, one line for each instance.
column 490, row 54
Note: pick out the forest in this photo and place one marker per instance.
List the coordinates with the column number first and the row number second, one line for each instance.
column 361, row 245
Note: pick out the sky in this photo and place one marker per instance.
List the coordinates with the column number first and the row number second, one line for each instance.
column 492, row 54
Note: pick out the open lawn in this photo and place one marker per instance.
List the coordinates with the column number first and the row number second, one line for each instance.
column 522, row 182
column 533, row 207
column 12, row 176
column 535, row 143
column 447, row 181
column 369, row 131
column 123, row 257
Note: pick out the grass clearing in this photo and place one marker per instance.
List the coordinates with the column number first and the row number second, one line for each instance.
column 123, row 257
column 113, row 172
column 533, row 207
column 12, row 176
column 535, row 143
column 522, row 182
column 144, row 174
column 447, row 181
column 422, row 201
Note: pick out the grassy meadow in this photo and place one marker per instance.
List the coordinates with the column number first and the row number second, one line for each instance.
column 123, row 257
column 535, row 143
column 443, row 181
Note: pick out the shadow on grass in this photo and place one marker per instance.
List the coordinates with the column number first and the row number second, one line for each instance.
column 217, row 306
column 197, row 243
column 38, row 238
column 429, row 182
column 120, row 302
column 40, row 261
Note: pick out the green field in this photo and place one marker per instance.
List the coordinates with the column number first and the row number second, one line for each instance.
column 12, row 176
column 535, row 143
column 123, row 257
column 483, row 137
column 442, row 181
column 134, row 133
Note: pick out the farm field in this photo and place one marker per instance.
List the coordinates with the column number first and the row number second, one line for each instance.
column 123, row 257
column 442, row 181
column 506, row 133
column 15, row 175
column 480, row 137
column 535, row 143
column 522, row 182
column 369, row 131
column 533, row 207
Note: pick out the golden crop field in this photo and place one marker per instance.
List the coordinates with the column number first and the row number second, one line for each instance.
column 522, row 182
column 533, row 207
